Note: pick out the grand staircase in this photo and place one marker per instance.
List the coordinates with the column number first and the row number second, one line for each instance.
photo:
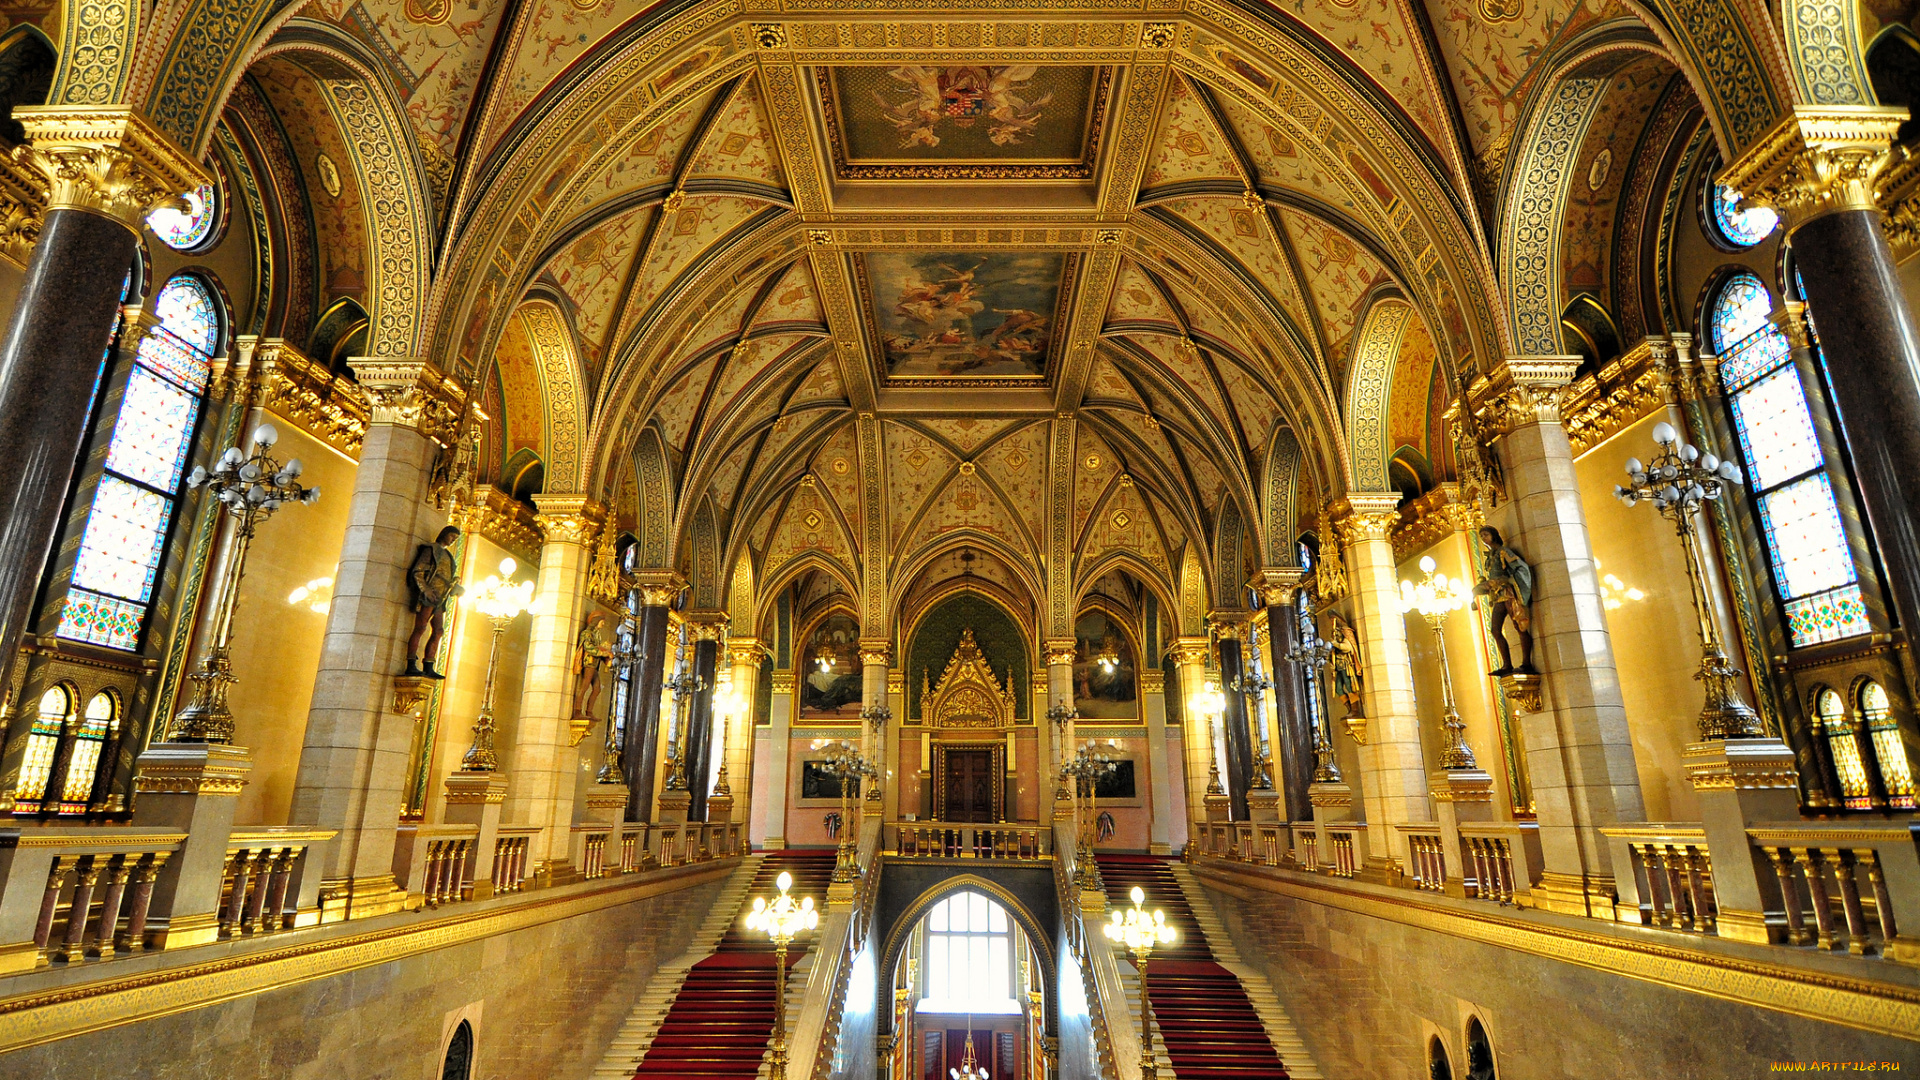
column 1212, row 1028
column 718, row 1016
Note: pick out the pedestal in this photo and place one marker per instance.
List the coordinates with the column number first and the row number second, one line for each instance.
column 604, row 804
column 1743, row 782
column 674, row 806
column 1459, row 795
column 474, row 798
column 193, row 787
column 1332, row 801
column 1263, row 805
column 1219, row 807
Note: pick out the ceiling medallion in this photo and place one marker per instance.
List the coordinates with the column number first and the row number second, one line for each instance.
column 840, row 466
column 1092, row 462
column 967, row 468
column 812, row 520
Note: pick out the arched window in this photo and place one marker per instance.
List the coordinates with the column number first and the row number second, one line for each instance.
column 100, row 724
column 192, row 227
column 137, row 494
column 969, row 957
column 1831, row 713
column 458, row 1064
column 1731, row 227
column 1439, row 1067
column 43, row 744
column 1813, row 569
column 1479, row 1052
column 1889, row 750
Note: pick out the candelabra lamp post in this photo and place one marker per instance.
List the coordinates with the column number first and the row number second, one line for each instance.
column 624, row 658
column 1088, row 764
column 251, row 486
column 501, row 600
column 1434, row 597
column 846, row 764
column 1140, row 930
column 782, row 920
column 1061, row 716
column 1211, row 703
column 877, row 718
column 1315, row 655
column 1677, row 481
column 1255, row 686
column 684, row 684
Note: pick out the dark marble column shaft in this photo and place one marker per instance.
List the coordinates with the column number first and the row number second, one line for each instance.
column 50, row 360
column 699, row 749
column 1239, row 736
column 641, row 753
column 1293, row 742
column 1872, row 349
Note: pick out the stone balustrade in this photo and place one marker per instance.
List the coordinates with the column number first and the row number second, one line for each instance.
column 965, row 840
column 1671, row 879
column 71, row 894
column 269, row 883
column 1426, row 858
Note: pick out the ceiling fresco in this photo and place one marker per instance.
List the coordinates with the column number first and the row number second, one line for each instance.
column 986, row 316
column 1021, row 121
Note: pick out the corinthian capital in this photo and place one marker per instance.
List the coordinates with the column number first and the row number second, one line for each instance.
column 1818, row 160
column 1524, row 390
column 409, row 391
column 658, row 588
column 106, row 159
column 569, row 519
column 1367, row 515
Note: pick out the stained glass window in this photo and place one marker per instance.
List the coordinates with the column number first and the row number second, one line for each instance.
column 1813, row 568
column 188, row 229
column 1889, row 749
column 1740, row 228
column 43, row 742
column 135, row 498
column 1847, row 764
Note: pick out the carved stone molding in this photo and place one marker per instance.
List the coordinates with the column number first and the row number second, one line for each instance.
column 1740, row 764
column 1623, row 392
column 304, row 392
column 1363, row 515
column 1523, row 390
column 1818, row 160
column 502, row 519
column 1229, row 625
column 1432, row 517
column 745, row 652
column 569, row 519
column 105, row 159
column 411, row 392
column 1061, row 652
column 1190, row 650
column 23, row 207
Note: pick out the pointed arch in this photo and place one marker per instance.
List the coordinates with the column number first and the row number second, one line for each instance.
column 1282, row 488
column 562, row 384
column 1368, row 383
column 656, row 498
column 1193, row 592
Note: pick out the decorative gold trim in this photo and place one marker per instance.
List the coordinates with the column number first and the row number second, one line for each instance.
column 1432, row 518
column 503, row 520
column 1740, row 764
column 298, row 389
column 1818, row 160
column 969, row 694
column 1520, row 391
column 410, row 694
column 411, row 392
column 1523, row 692
column 23, row 209
column 569, row 519
column 36, row 1018
column 106, row 160
column 1623, row 392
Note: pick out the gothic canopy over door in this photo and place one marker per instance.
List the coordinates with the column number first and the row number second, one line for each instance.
column 969, row 694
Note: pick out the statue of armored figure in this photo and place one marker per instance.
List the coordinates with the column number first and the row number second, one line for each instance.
column 433, row 580
column 1349, row 680
column 591, row 655
column 1508, row 587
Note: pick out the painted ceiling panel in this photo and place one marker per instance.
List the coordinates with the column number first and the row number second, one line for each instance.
column 678, row 407
column 967, row 502
column 1282, row 161
column 593, row 271
column 1189, row 146
column 1248, row 236
column 794, row 300
column 1094, row 467
column 966, row 433
column 837, row 464
column 915, row 465
column 1018, row 464
column 740, row 145
column 649, row 161
column 1338, row 272
column 1494, row 62
column 681, row 238
column 1600, row 171
column 1136, row 299
column 1382, row 39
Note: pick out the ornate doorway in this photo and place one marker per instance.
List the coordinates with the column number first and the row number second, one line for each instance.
column 969, row 784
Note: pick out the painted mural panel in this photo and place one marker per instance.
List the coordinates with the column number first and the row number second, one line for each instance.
column 1104, row 682
column 971, row 315
column 916, row 120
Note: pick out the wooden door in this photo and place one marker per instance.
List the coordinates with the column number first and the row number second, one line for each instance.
column 970, row 780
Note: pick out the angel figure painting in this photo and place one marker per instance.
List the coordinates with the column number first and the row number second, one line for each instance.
column 959, row 314
column 1017, row 114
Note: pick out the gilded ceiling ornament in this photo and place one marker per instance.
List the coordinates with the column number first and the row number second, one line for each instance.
column 430, row 12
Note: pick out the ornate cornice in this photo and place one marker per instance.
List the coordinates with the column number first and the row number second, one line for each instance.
column 569, row 519
column 305, row 393
column 409, row 391
column 1520, row 391
column 1432, row 517
column 1621, row 393
column 503, row 520
column 23, row 209
column 105, row 159
column 1818, row 160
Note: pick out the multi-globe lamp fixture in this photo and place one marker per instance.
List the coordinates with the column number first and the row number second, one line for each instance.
column 782, row 919
column 1139, row 930
column 1434, row 597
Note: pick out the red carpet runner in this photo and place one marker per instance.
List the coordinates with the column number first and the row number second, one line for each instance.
column 1209, row 1026
column 722, row 1020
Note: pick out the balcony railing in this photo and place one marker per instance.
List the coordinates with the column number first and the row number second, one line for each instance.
column 72, row 894
column 967, row 840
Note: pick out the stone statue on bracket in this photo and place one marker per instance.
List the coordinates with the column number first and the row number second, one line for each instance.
column 433, row 580
column 1508, row 587
column 592, row 653
column 1349, row 681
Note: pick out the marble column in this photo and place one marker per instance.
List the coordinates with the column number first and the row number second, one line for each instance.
column 706, row 627
column 1059, row 654
column 1579, row 751
column 1196, row 733
column 1394, row 774
column 1819, row 167
column 743, row 658
column 1292, row 751
column 779, row 758
column 541, row 775
column 105, row 171
column 641, row 754
column 1236, row 724
column 353, row 763
column 876, row 717
column 1161, row 831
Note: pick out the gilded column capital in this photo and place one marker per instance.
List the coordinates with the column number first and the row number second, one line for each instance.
column 410, row 391
column 503, row 520
column 1364, row 515
column 658, row 588
column 569, row 519
column 1190, row 650
column 295, row 387
column 783, row 682
column 1060, row 651
column 744, row 652
column 875, row 651
column 706, row 625
column 23, row 209
column 1152, row 680
column 107, row 160
column 1522, row 390
column 1229, row 625
column 1277, row 584
column 1435, row 516
column 1818, row 160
